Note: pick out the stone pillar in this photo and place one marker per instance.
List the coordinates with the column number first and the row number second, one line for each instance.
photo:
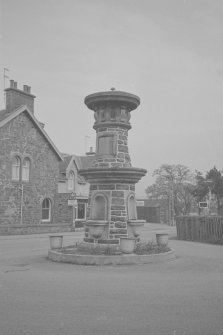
column 112, row 178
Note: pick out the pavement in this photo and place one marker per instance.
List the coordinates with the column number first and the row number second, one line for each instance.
column 39, row 297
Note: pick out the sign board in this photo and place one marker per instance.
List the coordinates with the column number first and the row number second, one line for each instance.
column 140, row 203
column 203, row 204
column 72, row 202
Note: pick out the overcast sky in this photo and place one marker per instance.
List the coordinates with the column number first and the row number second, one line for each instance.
column 169, row 52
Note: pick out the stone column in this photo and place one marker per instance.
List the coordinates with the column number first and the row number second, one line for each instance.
column 112, row 178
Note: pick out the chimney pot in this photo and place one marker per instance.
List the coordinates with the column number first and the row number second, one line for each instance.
column 16, row 98
column 91, row 152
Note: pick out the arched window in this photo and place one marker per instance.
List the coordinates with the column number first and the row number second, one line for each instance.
column 25, row 169
column 99, row 208
column 71, row 178
column 132, row 208
column 16, row 166
column 46, row 210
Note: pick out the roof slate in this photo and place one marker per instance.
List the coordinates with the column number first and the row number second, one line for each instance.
column 82, row 162
column 3, row 114
column 66, row 161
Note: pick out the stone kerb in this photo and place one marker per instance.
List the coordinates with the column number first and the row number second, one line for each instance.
column 124, row 259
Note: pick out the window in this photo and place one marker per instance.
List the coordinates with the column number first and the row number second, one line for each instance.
column 16, row 166
column 46, row 210
column 20, row 170
column 81, row 211
column 71, row 180
column 106, row 145
column 25, row 169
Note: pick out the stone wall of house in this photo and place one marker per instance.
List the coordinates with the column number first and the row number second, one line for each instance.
column 20, row 137
column 33, row 229
column 63, row 213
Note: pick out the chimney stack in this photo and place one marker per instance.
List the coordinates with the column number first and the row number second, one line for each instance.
column 16, row 98
column 91, row 152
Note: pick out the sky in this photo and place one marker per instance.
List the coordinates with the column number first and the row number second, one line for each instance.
column 168, row 52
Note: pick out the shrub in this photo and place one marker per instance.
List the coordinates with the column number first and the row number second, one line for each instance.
column 145, row 248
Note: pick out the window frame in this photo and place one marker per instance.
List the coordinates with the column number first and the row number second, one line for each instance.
column 16, row 168
column 46, row 208
column 85, row 211
column 71, row 181
column 25, row 168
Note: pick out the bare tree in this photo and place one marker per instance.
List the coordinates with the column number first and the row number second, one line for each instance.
column 175, row 183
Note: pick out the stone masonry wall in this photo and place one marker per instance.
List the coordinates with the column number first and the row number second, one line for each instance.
column 117, row 197
column 120, row 156
column 63, row 212
column 20, row 137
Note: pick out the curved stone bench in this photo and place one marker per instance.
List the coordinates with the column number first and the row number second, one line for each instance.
column 123, row 259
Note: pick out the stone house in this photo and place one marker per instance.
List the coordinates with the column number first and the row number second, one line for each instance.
column 36, row 180
column 73, row 190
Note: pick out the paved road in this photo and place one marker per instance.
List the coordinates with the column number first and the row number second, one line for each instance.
column 39, row 297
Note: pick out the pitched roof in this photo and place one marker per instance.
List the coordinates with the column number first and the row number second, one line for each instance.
column 63, row 166
column 3, row 114
column 66, row 161
column 84, row 162
column 6, row 117
column 81, row 162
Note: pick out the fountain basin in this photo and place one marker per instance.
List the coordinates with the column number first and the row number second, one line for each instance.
column 96, row 228
column 135, row 227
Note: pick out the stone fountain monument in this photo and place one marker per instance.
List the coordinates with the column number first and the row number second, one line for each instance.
column 112, row 204
column 112, row 227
